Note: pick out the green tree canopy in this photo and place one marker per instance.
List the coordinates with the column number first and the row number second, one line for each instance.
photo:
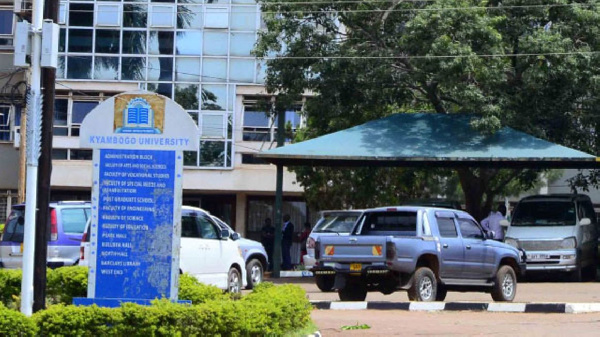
column 531, row 65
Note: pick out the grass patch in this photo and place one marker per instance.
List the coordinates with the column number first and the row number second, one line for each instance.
column 309, row 329
column 356, row 327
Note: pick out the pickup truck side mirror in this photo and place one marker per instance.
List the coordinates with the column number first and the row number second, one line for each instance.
column 235, row 236
column 225, row 234
column 585, row 222
column 504, row 223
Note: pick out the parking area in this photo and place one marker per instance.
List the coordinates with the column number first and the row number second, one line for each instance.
column 537, row 291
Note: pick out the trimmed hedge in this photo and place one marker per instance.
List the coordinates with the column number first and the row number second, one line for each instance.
column 269, row 309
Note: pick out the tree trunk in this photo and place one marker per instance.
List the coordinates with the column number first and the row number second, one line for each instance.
column 475, row 188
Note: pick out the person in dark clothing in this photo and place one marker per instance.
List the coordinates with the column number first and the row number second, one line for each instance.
column 286, row 242
column 267, row 238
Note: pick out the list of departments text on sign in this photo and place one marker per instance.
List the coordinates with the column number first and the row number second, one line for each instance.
column 136, row 196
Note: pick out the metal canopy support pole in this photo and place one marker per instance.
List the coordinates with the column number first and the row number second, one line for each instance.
column 34, row 110
column 278, row 196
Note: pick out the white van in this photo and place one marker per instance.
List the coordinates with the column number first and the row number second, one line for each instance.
column 207, row 252
column 558, row 233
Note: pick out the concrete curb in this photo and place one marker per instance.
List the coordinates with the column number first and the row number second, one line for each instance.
column 557, row 308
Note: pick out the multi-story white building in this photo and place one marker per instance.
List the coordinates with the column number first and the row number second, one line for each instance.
column 193, row 51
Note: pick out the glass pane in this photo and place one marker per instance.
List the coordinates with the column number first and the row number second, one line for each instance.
column 190, row 158
column 241, row 70
column 189, row 17
column 161, row 88
column 189, row 43
column 216, row 17
column 187, row 96
column 261, row 72
column 243, row 1
column 243, row 17
column 61, row 107
column 215, row 43
column 80, row 40
column 160, row 69
column 60, row 131
column 108, row 15
column 229, row 126
column 6, row 21
column 241, row 44
column 59, row 154
column 212, row 154
column 79, row 67
column 212, row 126
column 162, row 15
column 216, row 1
column 62, row 40
column 160, row 43
column 135, row 15
column 81, row 155
column 214, row 97
column 134, row 42
column 81, row 109
column 62, row 13
column 187, row 69
column 133, row 68
column 214, row 70
column 81, row 15
column 194, row 115
column 231, row 95
column 60, row 69
column 106, row 68
column 107, row 41
column 256, row 119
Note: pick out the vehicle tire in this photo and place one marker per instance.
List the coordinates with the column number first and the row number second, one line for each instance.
column 254, row 273
column 423, row 286
column 441, row 293
column 353, row 291
column 234, row 281
column 576, row 275
column 505, row 284
column 325, row 282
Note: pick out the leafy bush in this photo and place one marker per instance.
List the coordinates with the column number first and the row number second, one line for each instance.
column 192, row 290
column 13, row 322
column 62, row 284
column 10, row 287
column 68, row 320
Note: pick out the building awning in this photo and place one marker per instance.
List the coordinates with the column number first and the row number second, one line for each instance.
column 428, row 140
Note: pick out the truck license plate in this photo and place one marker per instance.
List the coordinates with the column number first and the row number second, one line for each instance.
column 355, row 267
column 537, row 256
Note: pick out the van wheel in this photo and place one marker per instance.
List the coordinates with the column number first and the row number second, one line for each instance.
column 325, row 282
column 254, row 273
column 353, row 291
column 234, row 281
column 505, row 285
column 423, row 286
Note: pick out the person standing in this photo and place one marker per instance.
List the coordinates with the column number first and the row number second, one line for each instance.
column 267, row 238
column 286, row 242
column 303, row 238
column 492, row 222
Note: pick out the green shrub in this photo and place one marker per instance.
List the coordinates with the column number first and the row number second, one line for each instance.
column 14, row 323
column 62, row 284
column 192, row 290
column 10, row 287
column 61, row 320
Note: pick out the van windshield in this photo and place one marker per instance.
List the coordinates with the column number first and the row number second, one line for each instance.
column 545, row 213
column 336, row 223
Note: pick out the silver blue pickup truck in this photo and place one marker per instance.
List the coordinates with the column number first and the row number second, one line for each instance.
column 426, row 251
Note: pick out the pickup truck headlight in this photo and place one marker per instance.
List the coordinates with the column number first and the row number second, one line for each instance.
column 512, row 242
column 568, row 243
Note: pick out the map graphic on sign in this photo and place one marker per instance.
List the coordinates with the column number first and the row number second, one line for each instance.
column 139, row 116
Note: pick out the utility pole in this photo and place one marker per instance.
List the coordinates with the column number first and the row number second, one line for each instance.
column 34, row 100
column 44, row 175
column 280, row 111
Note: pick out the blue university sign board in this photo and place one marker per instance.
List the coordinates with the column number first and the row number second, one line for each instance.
column 138, row 139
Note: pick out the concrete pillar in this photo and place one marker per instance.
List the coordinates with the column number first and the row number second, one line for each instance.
column 240, row 213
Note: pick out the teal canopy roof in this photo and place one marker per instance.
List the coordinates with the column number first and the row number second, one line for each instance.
column 428, row 139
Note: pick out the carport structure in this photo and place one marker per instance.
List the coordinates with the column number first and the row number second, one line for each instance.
column 422, row 140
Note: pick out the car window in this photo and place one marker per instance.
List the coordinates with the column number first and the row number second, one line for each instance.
column 588, row 211
column 335, row 223
column 189, row 227
column 544, row 213
column 391, row 223
column 73, row 220
column 469, row 229
column 15, row 226
column 447, row 227
column 207, row 229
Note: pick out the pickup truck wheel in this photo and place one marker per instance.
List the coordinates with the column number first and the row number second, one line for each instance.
column 353, row 291
column 440, row 296
column 505, row 284
column 424, row 286
column 325, row 282
column 234, row 281
column 254, row 271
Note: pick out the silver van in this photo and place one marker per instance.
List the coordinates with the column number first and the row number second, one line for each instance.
column 558, row 233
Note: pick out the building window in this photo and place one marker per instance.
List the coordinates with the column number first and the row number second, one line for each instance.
column 162, row 16
column 108, row 14
column 260, row 127
column 248, row 158
column 5, row 123
column 216, row 17
column 6, row 27
column 69, row 114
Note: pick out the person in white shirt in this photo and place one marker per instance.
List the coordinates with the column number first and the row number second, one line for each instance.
column 492, row 222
